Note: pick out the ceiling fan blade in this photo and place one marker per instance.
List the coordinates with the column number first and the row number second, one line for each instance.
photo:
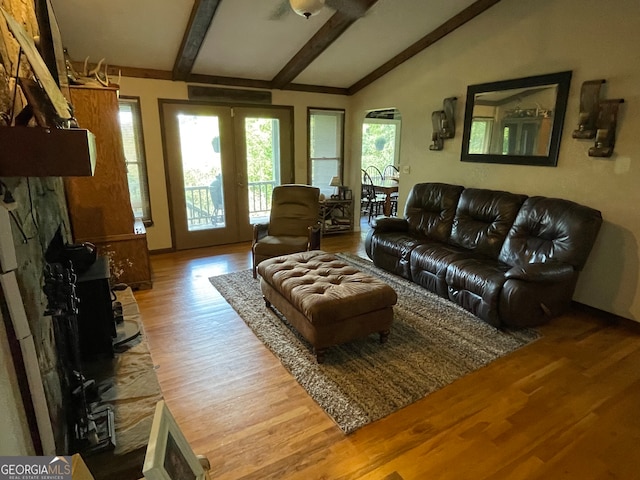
column 351, row 8
column 281, row 11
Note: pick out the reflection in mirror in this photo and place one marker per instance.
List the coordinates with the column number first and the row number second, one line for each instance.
column 516, row 121
column 513, row 122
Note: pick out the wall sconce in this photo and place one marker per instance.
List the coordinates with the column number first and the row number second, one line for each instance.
column 589, row 108
column 444, row 123
column 606, row 128
column 598, row 119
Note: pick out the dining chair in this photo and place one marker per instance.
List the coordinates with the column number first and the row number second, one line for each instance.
column 375, row 173
column 371, row 203
column 391, row 172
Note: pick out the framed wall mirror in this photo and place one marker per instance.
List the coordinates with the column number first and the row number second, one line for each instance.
column 516, row 121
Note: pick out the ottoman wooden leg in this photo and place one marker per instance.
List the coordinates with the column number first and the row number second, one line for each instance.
column 266, row 302
column 320, row 354
column 384, row 336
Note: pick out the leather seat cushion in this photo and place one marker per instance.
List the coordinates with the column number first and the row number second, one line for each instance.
column 324, row 288
column 271, row 246
column 396, row 244
column 429, row 263
column 475, row 284
column 391, row 251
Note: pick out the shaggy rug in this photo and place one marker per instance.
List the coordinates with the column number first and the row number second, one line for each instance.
column 432, row 343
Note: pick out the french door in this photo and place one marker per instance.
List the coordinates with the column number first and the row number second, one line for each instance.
column 222, row 164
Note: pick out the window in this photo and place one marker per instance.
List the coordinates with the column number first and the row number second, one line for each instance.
column 326, row 146
column 133, row 143
column 480, row 140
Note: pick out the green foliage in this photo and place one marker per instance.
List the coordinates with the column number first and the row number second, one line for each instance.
column 259, row 143
column 260, row 133
column 378, row 144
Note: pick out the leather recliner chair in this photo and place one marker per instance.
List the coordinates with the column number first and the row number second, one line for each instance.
column 293, row 226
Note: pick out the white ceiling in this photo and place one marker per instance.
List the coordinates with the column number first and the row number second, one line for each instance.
column 245, row 40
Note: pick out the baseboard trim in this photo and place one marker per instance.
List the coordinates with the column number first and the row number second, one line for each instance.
column 611, row 317
column 162, row 250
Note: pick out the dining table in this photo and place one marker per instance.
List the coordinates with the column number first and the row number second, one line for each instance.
column 386, row 186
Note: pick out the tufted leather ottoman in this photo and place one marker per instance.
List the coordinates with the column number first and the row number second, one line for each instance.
column 328, row 301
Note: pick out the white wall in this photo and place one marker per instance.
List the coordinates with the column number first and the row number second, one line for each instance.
column 517, row 39
column 149, row 91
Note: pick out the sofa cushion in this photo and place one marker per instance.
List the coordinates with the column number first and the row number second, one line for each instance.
column 551, row 229
column 391, row 251
column 475, row 284
column 429, row 263
column 430, row 209
column 483, row 219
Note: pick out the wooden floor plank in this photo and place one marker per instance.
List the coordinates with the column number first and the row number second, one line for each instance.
column 563, row 406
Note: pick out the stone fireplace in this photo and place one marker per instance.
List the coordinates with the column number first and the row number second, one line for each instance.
column 39, row 212
column 39, row 209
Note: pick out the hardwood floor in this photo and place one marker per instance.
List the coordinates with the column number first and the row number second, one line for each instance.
column 566, row 406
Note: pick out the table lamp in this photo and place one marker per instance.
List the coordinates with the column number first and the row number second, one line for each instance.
column 335, row 182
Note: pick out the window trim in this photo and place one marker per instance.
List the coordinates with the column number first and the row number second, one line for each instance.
column 136, row 108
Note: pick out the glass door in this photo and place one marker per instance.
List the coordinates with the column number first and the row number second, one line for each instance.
column 222, row 164
column 264, row 146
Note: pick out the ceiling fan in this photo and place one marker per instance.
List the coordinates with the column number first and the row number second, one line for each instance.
column 308, row 8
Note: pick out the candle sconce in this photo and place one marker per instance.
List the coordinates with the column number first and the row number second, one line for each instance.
column 598, row 119
column 589, row 109
column 444, row 123
column 606, row 128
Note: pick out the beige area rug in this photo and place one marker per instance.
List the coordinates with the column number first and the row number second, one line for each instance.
column 129, row 384
column 433, row 342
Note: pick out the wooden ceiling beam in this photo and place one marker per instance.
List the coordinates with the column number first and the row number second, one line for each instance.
column 442, row 31
column 263, row 84
column 201, row 17
column 114, row 71
column 325, row 36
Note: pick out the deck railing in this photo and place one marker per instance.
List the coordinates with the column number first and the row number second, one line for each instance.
column 202, row 212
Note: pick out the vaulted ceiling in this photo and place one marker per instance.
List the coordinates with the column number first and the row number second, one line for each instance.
column 258, row 43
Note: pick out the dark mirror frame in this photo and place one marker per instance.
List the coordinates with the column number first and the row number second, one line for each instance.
column 562, row 79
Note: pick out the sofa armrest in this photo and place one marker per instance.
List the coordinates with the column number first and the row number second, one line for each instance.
column 260, row 230
column 541, row 272
column 389, row 224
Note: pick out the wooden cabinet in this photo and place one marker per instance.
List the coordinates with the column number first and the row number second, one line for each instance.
column 99, row 206
column 336, row 216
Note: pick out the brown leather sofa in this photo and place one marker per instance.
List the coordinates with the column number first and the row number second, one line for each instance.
column 507, row 258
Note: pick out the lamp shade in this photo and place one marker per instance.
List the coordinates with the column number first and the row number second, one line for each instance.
column 335, row 182
column 306, row 8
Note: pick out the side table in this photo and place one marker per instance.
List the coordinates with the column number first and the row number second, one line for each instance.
column 336, row 215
